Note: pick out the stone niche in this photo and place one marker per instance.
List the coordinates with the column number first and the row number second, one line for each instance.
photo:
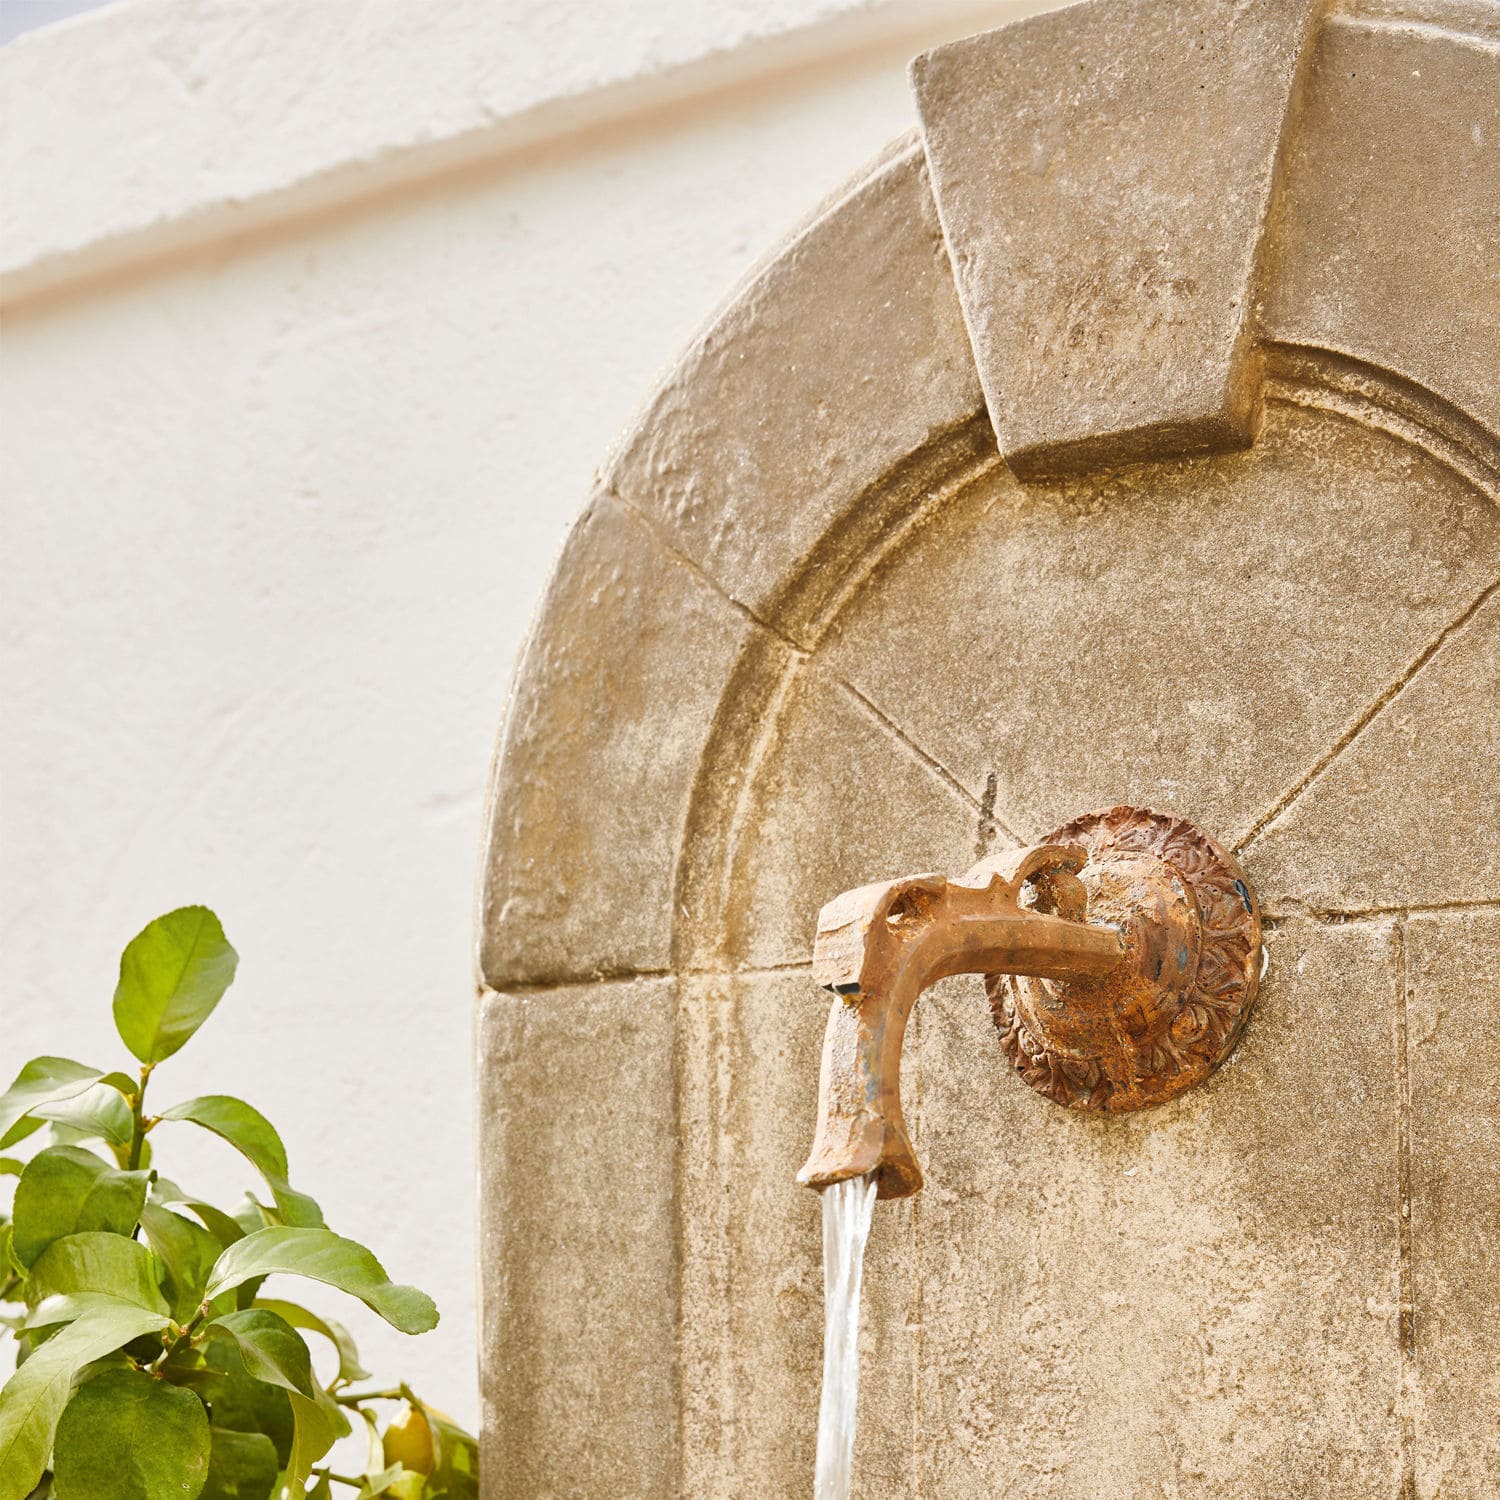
column 1128, row 435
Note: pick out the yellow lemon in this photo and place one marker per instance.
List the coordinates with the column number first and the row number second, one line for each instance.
column 408, row 1441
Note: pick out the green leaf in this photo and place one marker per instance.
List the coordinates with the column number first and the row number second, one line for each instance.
column 20, row 1130
column 324, row 1256
column 42, row 1081
column 100, row 1111
column 65, row 1189
column 95, row 1261
column 215, row 1220
column 188, row 1253
column 11, row 1166
column 34, row 1397
column 336, row 1334
column 379, row 1483
column 172, row 975
column 312, row 1437
column 125, row 1436
column 255, row 1138
column 243, row 1405
column 57, row 1307
column 457, row 1471
column 241, row 1466
column 262, row 1345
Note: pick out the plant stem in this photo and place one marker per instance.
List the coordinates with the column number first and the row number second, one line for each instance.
column 138, row 1121
column 353, row 1398
column 185, row 1337
column 353, row 1484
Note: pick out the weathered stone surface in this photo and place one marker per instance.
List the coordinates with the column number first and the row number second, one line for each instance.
column 1103, row 176
column 1453, row 998
column 1195, row 1300
column 616, row 695
column 1294, row 645
column 887, row 812
column 1191, row 636
column 1386, row 248
column 752, row 1288
column 579, row 1242
column 841, row 357
column 1409, row 813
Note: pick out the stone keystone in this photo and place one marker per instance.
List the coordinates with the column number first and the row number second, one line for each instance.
column 1104, row 175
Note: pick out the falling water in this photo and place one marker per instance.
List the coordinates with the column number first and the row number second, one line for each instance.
column 847, row 1210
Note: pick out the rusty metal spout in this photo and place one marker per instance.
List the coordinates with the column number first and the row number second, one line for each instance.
column 1106, row 1010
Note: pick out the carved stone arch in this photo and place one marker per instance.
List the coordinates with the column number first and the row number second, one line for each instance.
column 871, row 585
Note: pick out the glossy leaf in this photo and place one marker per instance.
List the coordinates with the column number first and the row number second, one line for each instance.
column 172, row 975
column 11, row 1166
column 99, row 1112
column 125, row 1436
column 43, row 1080
column 34, row 1397
column 324, row 1256
column 241, row 1466
column 335, row 1332
column 95, row 1261
column 186, row 1250
column 255, row 1138
column 65, row 1189
column 262, row 1345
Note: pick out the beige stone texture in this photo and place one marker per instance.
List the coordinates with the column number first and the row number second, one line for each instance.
column 1192, row 636
column 1104, row 175
column 1392, row 821
column 1386, row 249
column 1194, row 1300
column 812, row 632
column 577, row 1117
column 751, row 1338
column 891, row 812
column 615, row 695
column 840, row 359
column 1452, row 987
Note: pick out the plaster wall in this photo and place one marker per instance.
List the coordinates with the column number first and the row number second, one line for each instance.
column 316, row 322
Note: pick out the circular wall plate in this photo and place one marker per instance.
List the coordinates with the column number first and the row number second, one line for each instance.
column 1193, row 929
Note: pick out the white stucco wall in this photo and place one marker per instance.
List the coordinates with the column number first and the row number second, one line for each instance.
column 317, row 320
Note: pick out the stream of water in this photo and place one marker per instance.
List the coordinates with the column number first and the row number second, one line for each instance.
column 847, row 1209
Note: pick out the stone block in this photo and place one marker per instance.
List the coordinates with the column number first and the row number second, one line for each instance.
column 578, row 1243
column 1103, row 176
column 1199, row 1299
column 616, row 696
column 752, row 1287
column 1386, row 246
column 839, row 800
column 842, row 357
column 1409, row 813
column 1453, row 1022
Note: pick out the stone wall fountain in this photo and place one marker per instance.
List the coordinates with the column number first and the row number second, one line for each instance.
column 1128, row 439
